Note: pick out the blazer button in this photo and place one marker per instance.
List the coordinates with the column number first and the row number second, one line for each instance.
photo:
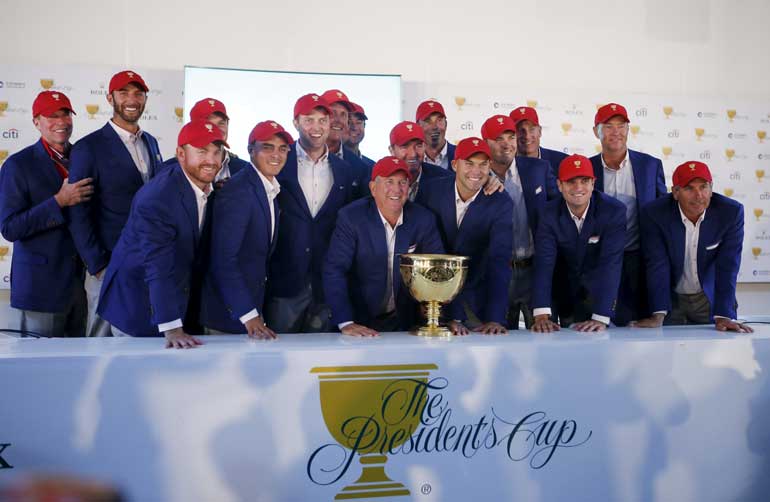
column 186, row 290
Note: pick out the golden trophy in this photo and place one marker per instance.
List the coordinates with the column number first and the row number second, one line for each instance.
column 666, row 151
column 3, row 155
column 92, row 111
column 566, row 126
column 667, row 111
column 635, row 130
column 729, row 192
column 731, row 114
column 730, row 153
column 760, row 174
column 699, row 132
column 433, row 280
column 758, row 213
column 459, row 101
column 761, row 135
column 383, row 399
column 46, row 83
column 3, row 107
column 532, row 103
column 179, row 112
column 756, row 252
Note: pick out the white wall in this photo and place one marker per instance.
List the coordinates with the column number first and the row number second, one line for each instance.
column 693, row 47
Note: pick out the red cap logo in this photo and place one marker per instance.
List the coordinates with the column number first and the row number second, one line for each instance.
column 210, row 127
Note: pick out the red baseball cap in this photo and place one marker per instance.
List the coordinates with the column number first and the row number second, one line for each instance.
column 575, row 166
column 495, row 125
column 387, row 166
column 49, row 102
column 337, row 96
column 426, row 108
column 200, row 133
column 690, row 170
column 606, row 112
column 309, row 102
column 525, row 113
column 468, row 147
column 267, row 129
column 123, row 78
column 358, row 110
column 404, row 132
column 205, row 107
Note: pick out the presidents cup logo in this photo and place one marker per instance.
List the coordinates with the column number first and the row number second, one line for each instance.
column 757, row 252
column 4, row 250
column 3, row 156
column 46, row 83
column 761, row 135
column 179, row 113
column 374, row 412
column 667, row 111
column 760, row 174
column 92, row 110
column 459, row 101
column 3, row 107
column 566, row 127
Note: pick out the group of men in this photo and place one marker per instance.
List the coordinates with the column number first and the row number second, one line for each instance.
column 109, row 240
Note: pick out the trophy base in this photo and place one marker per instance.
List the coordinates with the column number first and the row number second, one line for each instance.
column 373, row 483
column 432, row 332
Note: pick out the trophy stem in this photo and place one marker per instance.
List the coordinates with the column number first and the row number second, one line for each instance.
column 433, row 328
column 373, row 482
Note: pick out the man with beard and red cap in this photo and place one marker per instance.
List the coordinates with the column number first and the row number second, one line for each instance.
column 120, row 158
column 432, row 118
column 314, row 187
column 148, row 283
column 407, row 144
column 341, row 108
column 244, row 238
column 578, row 253
column 357, row 132
column 35, row 200
column 528, row 132
column 692, row 242
column 635, row 179
column 214, row 111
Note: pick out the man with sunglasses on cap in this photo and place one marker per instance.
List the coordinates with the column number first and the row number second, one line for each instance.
column 356, row 133
column 528, row 133
column 35, row 200
column 431, row 117
column 361, row 271
column 120, row 158
column 578, row 253
column 214, row 111
column 692, row 242
column 244, row 238
column 529, row 183
column 481, row 227
column 148, row 283
column 634, row 178
column 341, row 108
column 314, row 187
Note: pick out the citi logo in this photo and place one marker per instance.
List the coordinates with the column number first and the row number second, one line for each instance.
column 10, row 134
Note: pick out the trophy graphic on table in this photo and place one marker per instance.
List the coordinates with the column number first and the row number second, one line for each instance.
column 459, row 101
column 433, row 280
column 730, row 153
column 386, row 400
column 731, row 114
column 758, row 212
column 729, row 192
column 565, row 127
column 699, row 132
column 179, row 112
column 92, row 110
column 667, row 111
column 761, row 135
column 756, row 252
column 760, row 174
column 46, row 83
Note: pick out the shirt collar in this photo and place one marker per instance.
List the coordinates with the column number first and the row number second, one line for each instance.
column 199, row 194
column 511, row 171
column 585, row 213
column 459, row 200
column 387, row 224
column 441, row 155
column 686, row 220
column 302, row 154
column 623, row 163
column 271, row 187
column 125, row 135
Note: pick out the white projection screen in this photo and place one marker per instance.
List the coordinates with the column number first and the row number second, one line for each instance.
column 255, row 95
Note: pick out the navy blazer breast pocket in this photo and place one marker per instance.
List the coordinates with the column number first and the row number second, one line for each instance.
column 714, row 246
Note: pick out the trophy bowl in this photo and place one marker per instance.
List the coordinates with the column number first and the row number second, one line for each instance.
column 433, row 280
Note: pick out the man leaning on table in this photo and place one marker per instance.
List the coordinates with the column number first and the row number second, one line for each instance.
column 692, row 241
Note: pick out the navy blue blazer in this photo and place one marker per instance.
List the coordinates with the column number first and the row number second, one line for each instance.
column 538, row 185
column 720, row 242
column 241, row 245
column 304, row 239
column 369, row 163
column 148, row 280
column 592, row 259
column 45, row 265
column 96, row 225
column 554, row 158
column 486, row 236
column 648, row 176
column 361, row 172
column 235, row 165
column 450, row 153
column 356, row 267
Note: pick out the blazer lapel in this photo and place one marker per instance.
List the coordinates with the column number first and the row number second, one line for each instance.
column 188, row 202
column 403, row 241
column 261, row 194
column 50, row 173
column 449, row 215
column 117, row 146
column 289, row 180
column 378, row 239
column 678, row 237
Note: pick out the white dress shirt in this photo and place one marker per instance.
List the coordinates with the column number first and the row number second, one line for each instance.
column 136, row 148
column 201, row 198
column 315, row 178
column 619, row 183
column 441, row 159
column 272, row 189
column 689, row 284
column 523, row 243
column 414, row 187
column 461, row 207
column 224, row 172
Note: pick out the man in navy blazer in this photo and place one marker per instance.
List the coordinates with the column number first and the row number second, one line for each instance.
column 578, row 252
column 35, row 197
column 314, row 187
column 147, row 286
column 634, row 178
column 479, row 226
column 529, row 183
column 339, row 120
column 357, row 132
column 361, row 272
column 214, row 111
column 120, row 158
column 431, row 117
column 244, row 237
column 528, row 133
column 692, row 247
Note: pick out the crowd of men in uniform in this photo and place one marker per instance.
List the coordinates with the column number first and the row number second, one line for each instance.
column 304, row 236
